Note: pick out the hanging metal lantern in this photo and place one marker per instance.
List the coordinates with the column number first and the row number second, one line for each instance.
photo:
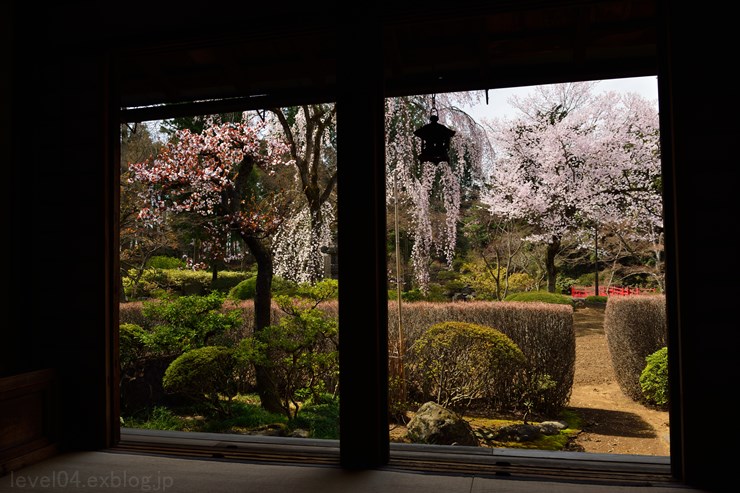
column 435, row 139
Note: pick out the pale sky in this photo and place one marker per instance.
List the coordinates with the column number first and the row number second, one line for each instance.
column 498, row 106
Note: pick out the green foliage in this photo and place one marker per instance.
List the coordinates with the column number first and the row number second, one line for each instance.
column 326, row 289
column 142, row 285
column 563, row 284
column 183, row 282
column 205, row 375
column 283, row 287
column 301, row 351
column 164, row 262
column 156, row 282
column 159, row 418
column 225, row 281
column 541, row 296
column 435, row 292
column 483, row 280
column 543, row 331
column 479, row 277
column 132, row 342
column 320, row 417
column 280, row 287
column 533, row 389
column 596, row 299
column 244, row 290
column 520, row 281
column 654, row 378
column 457, row 363
column 245, row 414
column 188, row 322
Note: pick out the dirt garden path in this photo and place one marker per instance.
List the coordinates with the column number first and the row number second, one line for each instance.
column 613, row 423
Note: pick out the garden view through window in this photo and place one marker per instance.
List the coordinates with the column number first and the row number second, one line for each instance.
column 228, row 322
column 526, row 274
column 533, row 251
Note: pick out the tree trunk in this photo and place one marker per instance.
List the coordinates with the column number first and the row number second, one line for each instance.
column 266, row 387
column 552, row 250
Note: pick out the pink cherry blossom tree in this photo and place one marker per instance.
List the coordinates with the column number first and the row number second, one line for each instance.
column 210, row 175
column 572, row 160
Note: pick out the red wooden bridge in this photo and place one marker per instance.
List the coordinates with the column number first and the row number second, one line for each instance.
column 584, row 291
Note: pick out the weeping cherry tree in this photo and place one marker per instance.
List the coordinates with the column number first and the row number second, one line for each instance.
column 432, row 193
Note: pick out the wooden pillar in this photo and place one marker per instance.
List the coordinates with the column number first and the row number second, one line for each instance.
column 363, row 295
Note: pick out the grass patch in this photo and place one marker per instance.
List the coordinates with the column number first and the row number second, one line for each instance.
column 321, row 420
column 485, row 428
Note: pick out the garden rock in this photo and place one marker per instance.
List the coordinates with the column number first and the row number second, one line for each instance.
column 518, row 433
column 434, row 424
column 552, row 427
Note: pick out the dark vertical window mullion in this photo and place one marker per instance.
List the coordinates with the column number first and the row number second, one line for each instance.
column 363, row 298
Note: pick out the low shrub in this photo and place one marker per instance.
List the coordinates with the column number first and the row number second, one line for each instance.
column 206, row 375
column 225, row 281
column 132, row 345
column 458, row 363
column 280, row 287
column 543, row 331
column 158, row 418
column 540, row 296
column 165, row 262
column 654, row 378
column 635, row 327
column 244, row 290
column 188, row 322
column 596, row 299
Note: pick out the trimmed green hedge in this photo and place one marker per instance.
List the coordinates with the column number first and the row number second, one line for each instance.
column 635, row 327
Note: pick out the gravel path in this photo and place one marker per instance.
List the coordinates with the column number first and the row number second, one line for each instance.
column 613, row 423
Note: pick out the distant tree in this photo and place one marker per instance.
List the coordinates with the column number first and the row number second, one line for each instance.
column 138, row 242
column 496, row 244
column 310, row 133
column 573, row 159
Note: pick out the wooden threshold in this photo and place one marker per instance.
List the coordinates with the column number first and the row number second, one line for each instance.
column 532, row 465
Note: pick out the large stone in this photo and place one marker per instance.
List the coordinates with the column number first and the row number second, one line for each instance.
column 435, row 424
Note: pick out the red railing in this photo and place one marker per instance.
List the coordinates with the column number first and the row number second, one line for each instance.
column 584, row 291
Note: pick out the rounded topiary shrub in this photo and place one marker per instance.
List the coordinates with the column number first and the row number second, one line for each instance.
column 456, row 364
column 206, row 375
column 654, row 378
column 635, row 327
column 244, row 290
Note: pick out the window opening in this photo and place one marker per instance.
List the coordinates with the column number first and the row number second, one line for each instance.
column 551, row 194
column 228, row 316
